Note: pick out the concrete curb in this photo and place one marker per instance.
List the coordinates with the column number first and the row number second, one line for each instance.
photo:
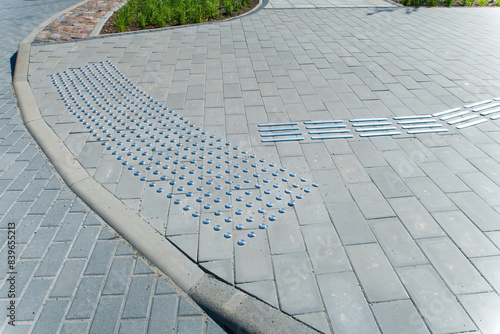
column 237, row 310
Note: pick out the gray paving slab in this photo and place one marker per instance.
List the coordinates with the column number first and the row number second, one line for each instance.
column 441, row 309
column 399, row 316
column 453, row 266
column 374, row 271
column 346, row 306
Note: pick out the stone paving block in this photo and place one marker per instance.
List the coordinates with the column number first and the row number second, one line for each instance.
column 403, row 164
column 67, row 279
column 163, row 314
column 317, row 156
column 350, row 168
column 108, row 170
column 86, row 297
column 8, row 199
column 141, row 268
column 52, row 260
column 388, row 182
column 325, row 249
column 483, row 310
column 471, row 241
column 32, row 299
column 331, row 186
column 118, row 276
column 252, row 262
column 284, row 233
column 131, row 327
column 129, row 186
column 399, row 316
column 297, row 289
column 90, row 154
column 43, row 202
column 486, row 218
column 31, row 193
column 263, row 290
column 465, row 148
column 107, row 315
column 24, row 270
column 51, row 316
column 350, row 223
column 378, row 279
column 56, row 213
column 488, row 167
column 483, row 186
column 39, row 243
column 67, row 231
column 370, row 201
column 455, row 269
column 190, row 325
column 163, row 288
column 82, row 245
column 15, row 214
column 453, row 160
column 367, row 153
column 430, row 195
column 74, row 327
column 345, row 304
column 397, row 243
column 435, row 302
column 101, row 257
column 415, row 217
column 443, row 177
column 137, row 303
column 489, row 269
column 21, row 182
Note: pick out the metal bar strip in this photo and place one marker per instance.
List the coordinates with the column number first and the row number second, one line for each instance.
column 281, row 134
column 367, row 119
column 466, row 125
column 463, row 119
column 376, row 129
column 333, row 137
column 379, row 134
column 421, row 126
column 465, row 112
column 372, row 124
column 279, row 129
column 323, row 122
column 417, row 121
column 446, row 112
column 493, row 105
column 276, row 124
column 411, row 117
column 496, row 99
column 281, row 139
column 495, row 117
column 489, row 112
column 326, row 127
column 328, row 131
column 414, row 132
column 477, row 104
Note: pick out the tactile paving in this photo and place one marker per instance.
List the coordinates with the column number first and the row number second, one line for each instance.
column 206, row 178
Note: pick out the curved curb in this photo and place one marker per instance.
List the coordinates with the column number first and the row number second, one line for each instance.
column 226, row 303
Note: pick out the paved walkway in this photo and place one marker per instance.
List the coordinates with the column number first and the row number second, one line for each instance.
column 385, row 230
column 72, row 273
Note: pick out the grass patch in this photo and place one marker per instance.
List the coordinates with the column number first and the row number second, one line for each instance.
column 148, row 14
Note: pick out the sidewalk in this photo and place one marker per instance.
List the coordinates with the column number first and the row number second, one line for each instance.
column 73, row 274
column 314, row 159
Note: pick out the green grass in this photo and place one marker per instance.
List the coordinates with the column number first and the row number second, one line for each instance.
column 160, row 13
column 482, row 3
